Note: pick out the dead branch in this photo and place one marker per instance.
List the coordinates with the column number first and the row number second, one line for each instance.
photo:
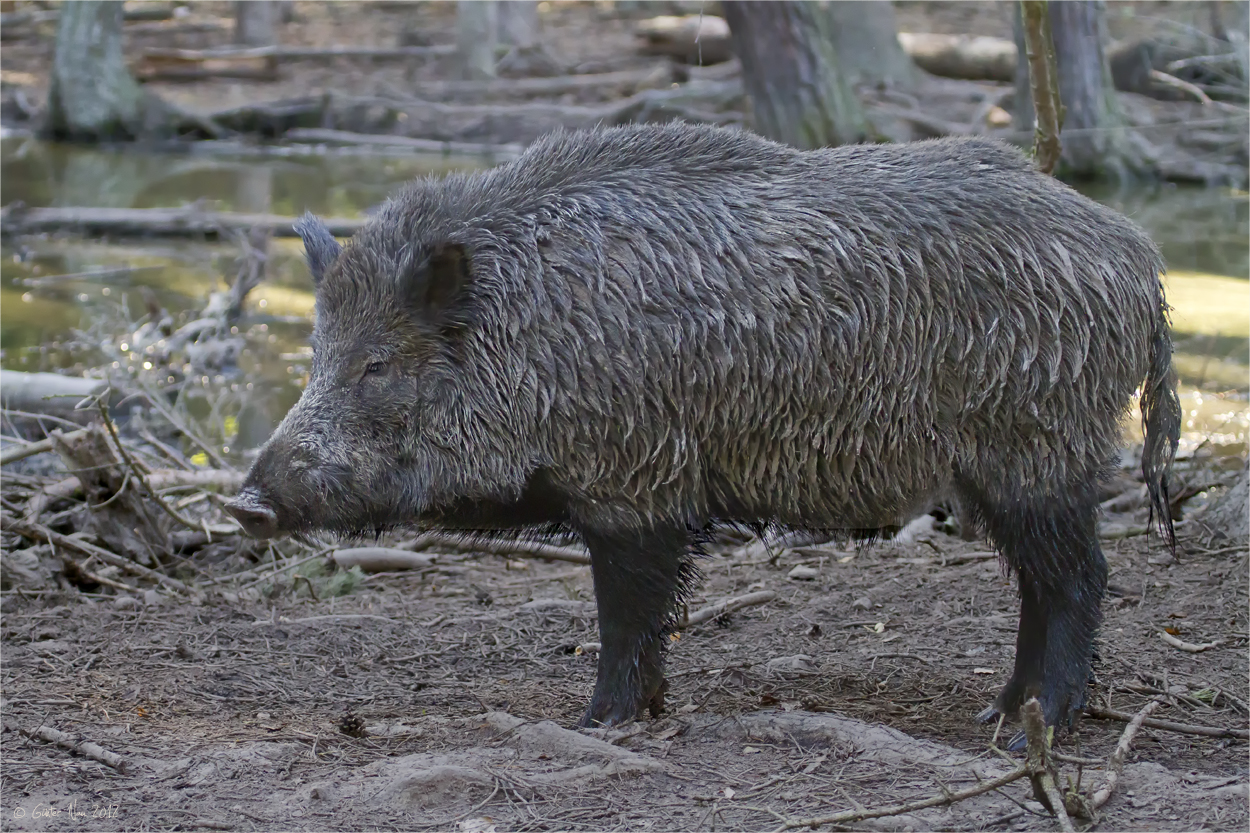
column 503, row 548
column 302, row 53
column 21, row 452
column 85, row 748
column 899, row 809
column 36, row 532
column 344, row 137
column 1189, row 647
column 1168, row 725
column 1045, row 790
column 381, row 559
column 1115, row 765
column 715, row 611
column 155, row 221
column 660, row 75
column 1182, row 85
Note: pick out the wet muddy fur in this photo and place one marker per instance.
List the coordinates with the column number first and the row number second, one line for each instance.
column 641, row 331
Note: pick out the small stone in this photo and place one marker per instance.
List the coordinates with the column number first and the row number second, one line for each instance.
column 125, row 603
column 862, row 603
column 151, row 597
column 803, row 573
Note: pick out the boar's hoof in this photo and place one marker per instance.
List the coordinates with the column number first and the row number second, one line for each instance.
column 257, row 519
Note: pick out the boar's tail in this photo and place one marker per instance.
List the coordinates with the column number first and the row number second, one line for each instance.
column 1161, row 426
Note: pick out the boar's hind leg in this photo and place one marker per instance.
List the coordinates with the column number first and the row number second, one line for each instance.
column 1051, row 543
column 639, row 577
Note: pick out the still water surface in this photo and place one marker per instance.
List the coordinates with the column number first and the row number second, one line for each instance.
column 53, row 316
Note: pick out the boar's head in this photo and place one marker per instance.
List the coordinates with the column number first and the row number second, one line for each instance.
column 403, row 409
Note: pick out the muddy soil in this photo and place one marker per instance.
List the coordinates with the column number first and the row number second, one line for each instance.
column 443, row 699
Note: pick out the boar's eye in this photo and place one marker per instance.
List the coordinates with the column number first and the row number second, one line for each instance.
column 375, row 367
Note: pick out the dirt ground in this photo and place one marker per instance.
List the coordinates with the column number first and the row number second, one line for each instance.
column 443, row 698
column 855, row 687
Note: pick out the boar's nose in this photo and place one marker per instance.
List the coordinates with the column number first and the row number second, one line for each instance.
column 257, row 519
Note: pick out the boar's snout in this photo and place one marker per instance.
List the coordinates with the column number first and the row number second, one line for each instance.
column 257, row 519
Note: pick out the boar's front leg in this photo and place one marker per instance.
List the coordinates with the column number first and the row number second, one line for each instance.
column 639, row 578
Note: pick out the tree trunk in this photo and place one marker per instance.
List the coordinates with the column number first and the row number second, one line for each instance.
column 477, row 37
column 92, row 95
column 1097, row 143
column 518, row 23
column 254, row 22
column 791, row 71
column 865, row 39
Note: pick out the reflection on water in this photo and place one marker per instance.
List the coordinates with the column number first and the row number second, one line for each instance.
column 53, row 288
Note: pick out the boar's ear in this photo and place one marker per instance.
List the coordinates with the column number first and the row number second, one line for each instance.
column 445, row 274
column 320, row 247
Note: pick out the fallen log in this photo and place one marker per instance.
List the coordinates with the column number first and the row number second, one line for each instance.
column 169, row 67
column 694, row 39
column 975, row 58
column 44, row 393
column 661, row 75
column 301, row 53
column 344, row 137
column 166, row 222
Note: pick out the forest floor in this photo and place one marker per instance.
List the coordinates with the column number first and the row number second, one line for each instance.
column 291, row 697
column 442, row 699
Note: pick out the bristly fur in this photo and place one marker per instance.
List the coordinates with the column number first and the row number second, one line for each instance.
column 637, row 330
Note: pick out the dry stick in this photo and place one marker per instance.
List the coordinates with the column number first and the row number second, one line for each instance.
column 156, row 400
column 899, row 809
column 1189, row 647
column 1044, row 787
column 12, row 455
column 1099, row 797
column 506, row 549
column 1043, row 82
column 715, row 611
column 139, row 475
column 41, row 533
column 88, row 749
column 99, row 579
column 1168, row 725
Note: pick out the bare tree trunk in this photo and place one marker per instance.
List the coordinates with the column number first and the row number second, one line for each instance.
column 92, row 95
column 865, row 38
column 254, row 22
column 791, row 71
column 477, row 35
column 1097, row 142
column 518, row 23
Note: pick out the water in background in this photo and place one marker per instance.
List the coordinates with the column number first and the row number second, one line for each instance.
column 58, row 294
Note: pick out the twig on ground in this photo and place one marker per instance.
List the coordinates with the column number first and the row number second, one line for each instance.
column 1045, row 790
column 1168, row 725
column 1099, row 797
column 381, row 559
column 86, row 748
column 102, row 404
column 1189, row 647
column 899, row 809
column 292, row 565
column 506, row 549
column 715, row 611
column 41, row 533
